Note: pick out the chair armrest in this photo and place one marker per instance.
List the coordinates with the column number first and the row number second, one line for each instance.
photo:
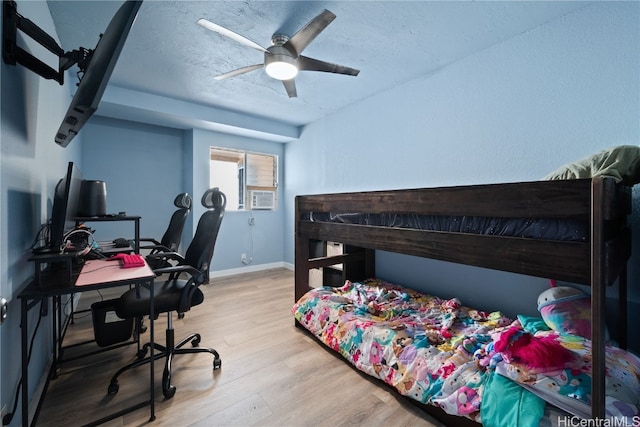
column 193, row 272
column 167, row 256
column 158, row 247
column 197, row 278
column 149, row 239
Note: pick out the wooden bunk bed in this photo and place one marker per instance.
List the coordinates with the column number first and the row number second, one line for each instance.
column 597, row 261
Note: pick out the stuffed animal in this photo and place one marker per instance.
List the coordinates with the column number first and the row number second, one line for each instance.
column 544, row 353
column 566, row 310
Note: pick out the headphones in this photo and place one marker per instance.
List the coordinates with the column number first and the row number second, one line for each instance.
column 79, row 239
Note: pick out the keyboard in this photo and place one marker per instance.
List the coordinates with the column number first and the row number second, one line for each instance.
column 129, row 260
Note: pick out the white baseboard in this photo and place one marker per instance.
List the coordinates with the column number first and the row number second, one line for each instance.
column 249, row 269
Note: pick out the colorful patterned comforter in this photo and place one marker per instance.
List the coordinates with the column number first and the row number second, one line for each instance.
column 440, row 352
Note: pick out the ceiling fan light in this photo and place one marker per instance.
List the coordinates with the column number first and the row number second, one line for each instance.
column 281, row 67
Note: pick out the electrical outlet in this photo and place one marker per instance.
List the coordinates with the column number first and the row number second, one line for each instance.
column 243, row 258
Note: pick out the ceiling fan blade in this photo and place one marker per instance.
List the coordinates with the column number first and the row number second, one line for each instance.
column 300, row 40
column 310, row 64
column 290, row 86
column 238, row 71
column 230, row 34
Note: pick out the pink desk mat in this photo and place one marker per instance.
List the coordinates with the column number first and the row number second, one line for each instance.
column 103, row 271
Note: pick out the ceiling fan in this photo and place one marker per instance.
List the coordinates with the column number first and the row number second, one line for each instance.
column 283, row 59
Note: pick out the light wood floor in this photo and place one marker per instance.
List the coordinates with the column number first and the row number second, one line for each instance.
column 273, row 374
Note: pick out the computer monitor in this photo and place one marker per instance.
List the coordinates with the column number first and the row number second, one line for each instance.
column 97, row 73
column 64, row 211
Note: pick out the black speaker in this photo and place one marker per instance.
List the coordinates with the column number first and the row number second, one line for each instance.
column 93, row 198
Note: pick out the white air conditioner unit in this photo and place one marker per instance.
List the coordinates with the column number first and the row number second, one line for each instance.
column 263, row 199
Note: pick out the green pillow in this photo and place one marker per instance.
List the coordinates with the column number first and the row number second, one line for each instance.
column 621, row 162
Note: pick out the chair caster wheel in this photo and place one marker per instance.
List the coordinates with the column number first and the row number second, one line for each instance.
column 142, row 353
column 196, row 341
column 167, row 389
column 217, row 364
column 141, row 326
column 113, row 388
column 168, row 393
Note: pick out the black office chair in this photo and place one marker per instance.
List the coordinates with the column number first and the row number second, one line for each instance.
column 171, row 238
column 179, row 292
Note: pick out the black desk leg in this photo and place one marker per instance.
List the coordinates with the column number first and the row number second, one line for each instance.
column 56, row 317
column 152, row 339
column 136, row 242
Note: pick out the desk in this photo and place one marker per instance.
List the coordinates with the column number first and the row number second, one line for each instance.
column 109, row 218
column 93, row 275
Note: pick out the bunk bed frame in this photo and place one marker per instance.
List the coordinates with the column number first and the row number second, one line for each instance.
column 596, row 262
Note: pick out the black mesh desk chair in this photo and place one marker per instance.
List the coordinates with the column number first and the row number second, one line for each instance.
column 170, row 241
column 171, row 238
column 179, row 292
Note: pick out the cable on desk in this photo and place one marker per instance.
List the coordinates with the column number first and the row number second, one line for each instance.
column 115, row 264
column 6, row 420
column 98, row 254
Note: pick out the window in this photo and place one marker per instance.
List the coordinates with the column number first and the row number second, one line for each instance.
column 249, row 180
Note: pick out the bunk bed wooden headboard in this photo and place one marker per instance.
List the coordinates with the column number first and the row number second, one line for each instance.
column 597, row 260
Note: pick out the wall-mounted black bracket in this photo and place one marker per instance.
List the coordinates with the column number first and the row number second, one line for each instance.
column 13, row 54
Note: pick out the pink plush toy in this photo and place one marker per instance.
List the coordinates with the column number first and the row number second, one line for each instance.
column 541, row 353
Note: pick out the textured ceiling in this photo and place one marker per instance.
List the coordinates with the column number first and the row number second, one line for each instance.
column 168, row 55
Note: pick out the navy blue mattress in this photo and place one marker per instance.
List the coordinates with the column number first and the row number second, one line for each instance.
column 544, row 229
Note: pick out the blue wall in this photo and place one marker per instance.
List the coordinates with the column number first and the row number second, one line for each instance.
column 146, row 166
column 236, row 236
column 513, row 112
column 142, row 167
column 31, row 165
